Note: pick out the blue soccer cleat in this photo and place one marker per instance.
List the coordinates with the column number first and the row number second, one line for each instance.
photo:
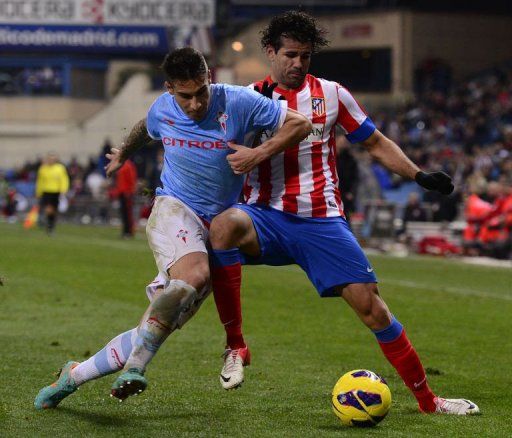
column 50, row 396
column 131, row 382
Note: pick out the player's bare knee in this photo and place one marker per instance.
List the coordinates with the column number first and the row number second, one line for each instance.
column 228, row 229
column 193, row 269
column 198, row 278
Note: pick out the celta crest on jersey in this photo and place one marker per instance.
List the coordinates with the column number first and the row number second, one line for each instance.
column 182, row 234
column 222, row 118
column 318, row 106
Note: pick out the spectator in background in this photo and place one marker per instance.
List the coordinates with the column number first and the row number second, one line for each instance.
column 124, row 189
column 96, row 185
column 152, row 183
column 153, row 178
column 476, row 210
column 102, row 161
column 368, row 188
column 11, row 203
column 52, row 182
column 383, row 175
column 494, row 233
column 7, row 199
column 444, row 208
column 4, row 187
column 413, row 211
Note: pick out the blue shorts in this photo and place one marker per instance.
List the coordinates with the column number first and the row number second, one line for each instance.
column 324, row 248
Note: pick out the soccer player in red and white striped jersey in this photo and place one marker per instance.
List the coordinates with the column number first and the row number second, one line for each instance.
column 303, row 180
column 293, row 211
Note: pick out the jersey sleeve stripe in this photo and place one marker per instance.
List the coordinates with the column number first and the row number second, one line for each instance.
column 351, row 104
column 350, row 114
column 366, row 129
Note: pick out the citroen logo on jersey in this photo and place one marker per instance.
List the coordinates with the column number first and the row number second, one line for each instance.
column 169, row 121
column 318, row 106
column 222, row 118
column 182, row 234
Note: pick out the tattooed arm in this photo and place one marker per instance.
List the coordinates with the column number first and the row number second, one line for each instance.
column 137, row 138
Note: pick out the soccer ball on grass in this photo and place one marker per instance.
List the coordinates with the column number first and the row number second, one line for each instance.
column 361, row 398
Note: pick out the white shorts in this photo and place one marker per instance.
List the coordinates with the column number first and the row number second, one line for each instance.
column 174, row 231
column 159, row 282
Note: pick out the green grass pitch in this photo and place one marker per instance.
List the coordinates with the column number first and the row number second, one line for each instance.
column 64, row 297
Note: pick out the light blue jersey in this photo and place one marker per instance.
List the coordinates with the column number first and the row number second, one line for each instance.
column 196, row 169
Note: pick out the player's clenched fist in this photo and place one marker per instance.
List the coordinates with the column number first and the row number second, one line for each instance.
column 243, row 159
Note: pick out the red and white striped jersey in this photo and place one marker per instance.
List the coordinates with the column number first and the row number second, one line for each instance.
column 303, row 179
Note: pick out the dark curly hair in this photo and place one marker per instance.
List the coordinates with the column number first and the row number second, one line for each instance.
column 296, row 25
column 184, row 64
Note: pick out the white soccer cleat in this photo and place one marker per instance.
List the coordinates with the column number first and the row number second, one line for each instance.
column 232, row 374
column 455, row 406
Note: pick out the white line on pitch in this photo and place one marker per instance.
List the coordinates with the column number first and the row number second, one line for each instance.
column 416, row 285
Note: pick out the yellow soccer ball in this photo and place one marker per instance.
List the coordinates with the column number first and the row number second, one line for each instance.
column 361, row 398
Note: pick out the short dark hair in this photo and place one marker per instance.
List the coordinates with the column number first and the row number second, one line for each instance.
column 296, row 25
column 184, row 64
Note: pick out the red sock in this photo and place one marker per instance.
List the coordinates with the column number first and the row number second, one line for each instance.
column 402, row 355
column 226, row 282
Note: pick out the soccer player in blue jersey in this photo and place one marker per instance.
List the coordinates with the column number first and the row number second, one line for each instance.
column 203, row 127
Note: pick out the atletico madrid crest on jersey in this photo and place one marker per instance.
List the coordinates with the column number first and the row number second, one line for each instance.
column 318, row 106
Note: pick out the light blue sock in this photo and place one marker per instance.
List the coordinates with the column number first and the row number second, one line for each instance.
column 108, row 360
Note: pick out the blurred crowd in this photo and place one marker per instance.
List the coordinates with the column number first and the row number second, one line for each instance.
column 31, row 81
column 465, row 131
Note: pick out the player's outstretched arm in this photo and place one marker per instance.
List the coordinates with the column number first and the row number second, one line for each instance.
column 137, row 138
column 295, row 128
column 389, row 154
